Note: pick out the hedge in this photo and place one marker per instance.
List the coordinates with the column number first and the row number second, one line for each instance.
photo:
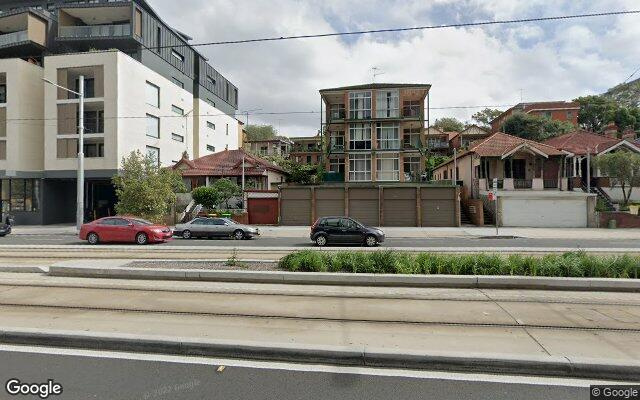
column 573, row 264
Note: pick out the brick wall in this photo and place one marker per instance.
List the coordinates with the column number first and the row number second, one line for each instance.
column 623, row 219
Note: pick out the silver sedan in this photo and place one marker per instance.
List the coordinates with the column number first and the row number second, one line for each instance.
column 215, row 227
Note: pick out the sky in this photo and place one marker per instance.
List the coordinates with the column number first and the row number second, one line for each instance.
column 493, row 65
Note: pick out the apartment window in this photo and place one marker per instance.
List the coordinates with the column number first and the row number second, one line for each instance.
column 388, row 166
column 387, row 104
column 411, row 108
column 359, row 167
column 177, row 81
column 359, row 137
column 211, row 80
column 153, row 95
column 411, row 167
column 211, row 148
column 67, row 148
column 226, row 92
column 158, row 39
column 336, row 141
column 154, row 154
column 388, row 138
column 235, row 96
column 177, row 138
column 92, row 150
column 20, row 194
column 412, row 138
column 89, row 88
column 308, row 159
column 93, row 121
column 336, row 111
column 3, row 149
column 360, row 105
column 177, row 110
column 153, row 126
column 211, row 125
column 3, row 93
column 336, row 165
column 177, row 56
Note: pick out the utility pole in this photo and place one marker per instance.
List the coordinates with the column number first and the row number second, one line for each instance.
column 588, row 170
column 80, row 171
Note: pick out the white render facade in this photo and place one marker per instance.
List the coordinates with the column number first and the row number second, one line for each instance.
column 38, row 145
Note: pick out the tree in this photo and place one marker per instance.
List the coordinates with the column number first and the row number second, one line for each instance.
column 206, row 196
column 623, row 169
column 432, row 161
column 485, row 116
column 449, row 124
column 225, row 189
column 144, row 189
column 260, row 132
column 533, row 127
column 595, row 112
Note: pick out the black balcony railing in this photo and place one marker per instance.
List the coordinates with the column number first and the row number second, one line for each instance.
column 522, row 183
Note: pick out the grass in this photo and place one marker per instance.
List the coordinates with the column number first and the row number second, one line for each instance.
column 574, row 264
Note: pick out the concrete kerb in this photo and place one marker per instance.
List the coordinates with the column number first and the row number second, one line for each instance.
column 356, row 356
column 346, row 279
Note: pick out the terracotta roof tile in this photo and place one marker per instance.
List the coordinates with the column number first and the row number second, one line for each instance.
column 227, row 163
column 580, row 141
column 500, row 143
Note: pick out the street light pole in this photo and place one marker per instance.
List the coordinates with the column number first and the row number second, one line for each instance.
column 80, row 172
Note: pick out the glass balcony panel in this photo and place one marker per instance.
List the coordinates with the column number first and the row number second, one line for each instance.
column 92, row 31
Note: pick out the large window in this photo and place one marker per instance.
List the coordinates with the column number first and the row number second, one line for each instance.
column 387, row 104
column 177, row 110
column 154, row 154
column 92, row 150
column 336, row 141
column 360, row 105
column 412, row 138
column 388, row 137
column 177, row 56
column 89, row 88
column 336, row 111
column 153, row 126
column 93, row 121
column 153, row 95
column 20, row 194
column 388, row 167
column 3, row 93
column 359, row 167
column 412, row 168
column 336, row 165
column 359, row 136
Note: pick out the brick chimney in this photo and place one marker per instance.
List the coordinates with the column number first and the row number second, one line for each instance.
column 629, row 134
column 611, row 130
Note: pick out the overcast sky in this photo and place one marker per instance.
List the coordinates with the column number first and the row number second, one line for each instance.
column 466, row 66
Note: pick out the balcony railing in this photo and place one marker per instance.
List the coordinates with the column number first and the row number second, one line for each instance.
column 550, row 183
column 438, row 145
column 411, row 111
column 13, row 37
column 337, row 115
column 522, row 183
column 93, row 31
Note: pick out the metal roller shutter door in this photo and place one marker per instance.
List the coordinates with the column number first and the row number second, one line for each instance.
column 295, row 207
column 438, row 206
column 399, row 206
column 329, row 202
column 363, row 205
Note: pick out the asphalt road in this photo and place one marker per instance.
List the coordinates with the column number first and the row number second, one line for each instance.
column 452, row 242
column 109, row 375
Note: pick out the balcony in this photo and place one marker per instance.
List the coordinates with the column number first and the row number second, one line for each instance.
column 94, row 31
column 9, row 39
column 412, row 111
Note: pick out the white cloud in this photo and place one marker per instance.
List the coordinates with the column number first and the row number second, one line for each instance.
column 548, row 61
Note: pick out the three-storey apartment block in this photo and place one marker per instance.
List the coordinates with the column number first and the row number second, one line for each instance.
column 146, row 89
column 375, row 132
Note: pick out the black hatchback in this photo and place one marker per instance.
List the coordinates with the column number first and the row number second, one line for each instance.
column 341, row 230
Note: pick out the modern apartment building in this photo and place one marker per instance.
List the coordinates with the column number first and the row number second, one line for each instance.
column 374, row 131
column 146, row 89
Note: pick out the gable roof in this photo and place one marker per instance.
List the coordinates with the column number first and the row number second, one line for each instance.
column 580, row 142
column 226, row 163
column 478, row 130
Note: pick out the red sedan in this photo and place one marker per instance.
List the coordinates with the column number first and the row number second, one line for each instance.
column 124, row 229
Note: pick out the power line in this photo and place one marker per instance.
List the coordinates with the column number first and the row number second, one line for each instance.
column 417, row 28
column 631, row 76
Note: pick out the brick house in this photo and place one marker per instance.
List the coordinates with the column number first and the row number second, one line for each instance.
column 306, row 150
column 555, row 110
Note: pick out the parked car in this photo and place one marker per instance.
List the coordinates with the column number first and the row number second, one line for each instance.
column 340, row 230
column 215, row 227
column 124, row 230
column 5, row 229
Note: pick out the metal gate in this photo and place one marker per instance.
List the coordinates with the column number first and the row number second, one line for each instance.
column 263, row 211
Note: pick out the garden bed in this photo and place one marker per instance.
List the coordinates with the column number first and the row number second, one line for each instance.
column 575, row 264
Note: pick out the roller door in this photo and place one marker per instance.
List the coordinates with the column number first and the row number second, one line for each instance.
column 363, row 205
column 295, row 206
column 329, row 202
column 438, row 207
column 399, row 206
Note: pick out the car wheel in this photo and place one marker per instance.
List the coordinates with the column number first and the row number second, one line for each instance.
column 186, row 234
column 321, row 240
column 93, row 238
column 238, row 235
column 141, row 238
column 371, row 241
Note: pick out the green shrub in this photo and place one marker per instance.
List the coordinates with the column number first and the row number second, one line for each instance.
column 573, row 264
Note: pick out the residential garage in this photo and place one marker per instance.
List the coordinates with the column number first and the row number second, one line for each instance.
column 549, row 210
column 437, row 207
column 399, row 206
column 329, row 201
column 363, row 205
column 295, row 206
